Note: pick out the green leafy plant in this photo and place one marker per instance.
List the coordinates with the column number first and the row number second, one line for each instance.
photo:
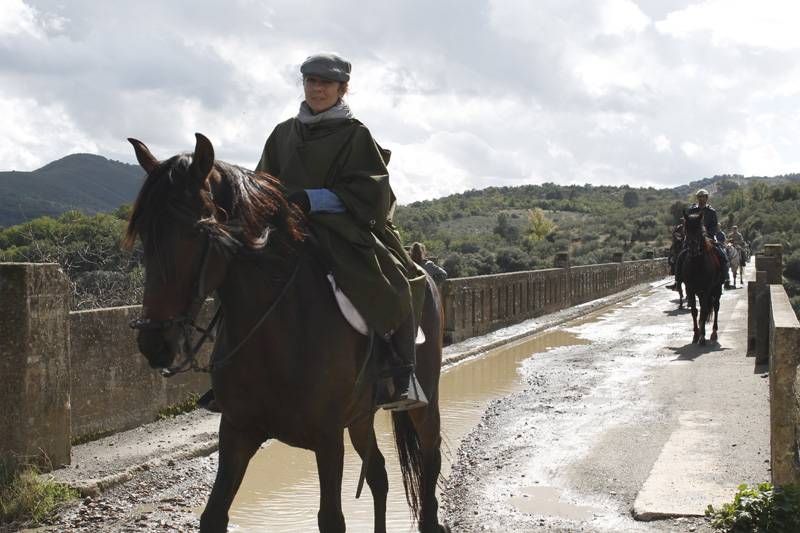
column 26, row 497
column 759, row 509
column 188, row 404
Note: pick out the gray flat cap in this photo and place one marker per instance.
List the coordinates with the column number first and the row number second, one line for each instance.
column 327, row 66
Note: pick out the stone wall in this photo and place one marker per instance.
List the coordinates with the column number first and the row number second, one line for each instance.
column 71, row 375
column 113, row 387
column 773, row 336
column 784, row 388
column 478, row 305
column 34, row 363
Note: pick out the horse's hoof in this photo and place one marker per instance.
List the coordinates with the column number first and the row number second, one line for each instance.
column 713, row 337
column 702, row 342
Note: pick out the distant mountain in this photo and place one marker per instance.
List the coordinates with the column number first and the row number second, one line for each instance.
column 713, row 183
column 86, row 182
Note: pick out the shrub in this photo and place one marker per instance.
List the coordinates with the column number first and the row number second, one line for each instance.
column 758, row 509
column 792, row 268
column 26, row 498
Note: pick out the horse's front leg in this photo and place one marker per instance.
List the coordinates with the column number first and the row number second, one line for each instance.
column 691, row 299
column 235, row 451
column 330, row 463
column 705, row 309
column 715, row 302
column 680, row 295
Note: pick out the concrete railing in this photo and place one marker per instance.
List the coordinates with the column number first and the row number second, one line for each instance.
column 478, row 305
column 784, row 388
column 73, row 375
column 773, row 332
column 70, row 375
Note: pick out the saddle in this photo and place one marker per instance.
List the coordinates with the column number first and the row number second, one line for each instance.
column 353, row 317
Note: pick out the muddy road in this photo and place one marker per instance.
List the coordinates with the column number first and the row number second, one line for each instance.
column 635, row 417
column 555, row 432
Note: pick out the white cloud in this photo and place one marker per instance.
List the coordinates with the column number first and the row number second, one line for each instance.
column 766, row 23
column 466, row 93
column 690, row 149
column 25, row 146
column 662, row 144
column 621, row 16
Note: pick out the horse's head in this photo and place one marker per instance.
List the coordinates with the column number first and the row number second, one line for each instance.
column 693, row 225
column 193, row 214
column 183, row 264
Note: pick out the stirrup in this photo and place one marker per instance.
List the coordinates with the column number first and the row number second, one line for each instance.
column 413, row 398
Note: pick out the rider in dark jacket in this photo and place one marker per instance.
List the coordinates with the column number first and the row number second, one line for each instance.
column 712, row 230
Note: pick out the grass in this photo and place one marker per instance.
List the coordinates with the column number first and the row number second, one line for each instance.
column 89, row 437
column 188, row 404
column 26, row 497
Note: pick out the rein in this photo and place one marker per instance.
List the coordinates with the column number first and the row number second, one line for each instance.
column 186, row 321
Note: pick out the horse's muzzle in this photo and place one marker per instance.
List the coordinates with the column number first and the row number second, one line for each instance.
column 154, row 346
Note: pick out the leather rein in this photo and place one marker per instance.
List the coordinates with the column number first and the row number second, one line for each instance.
column 186, row 321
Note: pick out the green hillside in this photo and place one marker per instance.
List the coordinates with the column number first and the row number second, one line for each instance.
column 498, row 229
column 83, row 182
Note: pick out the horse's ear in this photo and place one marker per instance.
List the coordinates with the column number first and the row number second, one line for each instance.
column 203, row 159
column 143, row 155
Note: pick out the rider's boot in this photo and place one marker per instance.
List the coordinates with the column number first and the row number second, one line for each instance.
column 399, row 389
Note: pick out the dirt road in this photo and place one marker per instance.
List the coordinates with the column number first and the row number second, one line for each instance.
column 636, row 418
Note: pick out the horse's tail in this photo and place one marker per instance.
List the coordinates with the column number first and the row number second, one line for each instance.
column 409, row 452
column 709, row 304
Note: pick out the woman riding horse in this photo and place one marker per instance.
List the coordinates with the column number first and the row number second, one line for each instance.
column 336, row 173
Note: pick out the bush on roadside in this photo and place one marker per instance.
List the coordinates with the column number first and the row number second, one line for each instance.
column 26, row 497
column 759, row 509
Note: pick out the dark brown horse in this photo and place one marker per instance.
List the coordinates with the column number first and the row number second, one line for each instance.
column 285, row 363
column 674, row 250
column 702, row 274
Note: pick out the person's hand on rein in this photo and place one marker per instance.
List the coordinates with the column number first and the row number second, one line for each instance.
column 300, row 199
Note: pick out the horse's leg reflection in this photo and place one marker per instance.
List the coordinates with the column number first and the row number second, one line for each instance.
column 362, row 435
column 330, row 464
column 235, row 451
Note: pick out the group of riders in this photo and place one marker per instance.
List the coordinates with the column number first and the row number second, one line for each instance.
column 725, row 246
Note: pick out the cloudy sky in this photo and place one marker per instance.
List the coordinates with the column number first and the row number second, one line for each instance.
column 466, row 93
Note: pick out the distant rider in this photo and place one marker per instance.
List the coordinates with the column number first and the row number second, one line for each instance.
column 712, row 231
column 736, row 238
column 677, row 246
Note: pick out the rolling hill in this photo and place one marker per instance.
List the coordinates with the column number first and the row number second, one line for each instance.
column 85, row 182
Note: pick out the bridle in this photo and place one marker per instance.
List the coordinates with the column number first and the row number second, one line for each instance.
column 186, row 321
column 695, row 243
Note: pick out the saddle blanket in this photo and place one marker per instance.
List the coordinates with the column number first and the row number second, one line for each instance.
column 353, row 317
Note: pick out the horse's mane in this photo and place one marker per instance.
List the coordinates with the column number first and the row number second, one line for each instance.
column 238, row 206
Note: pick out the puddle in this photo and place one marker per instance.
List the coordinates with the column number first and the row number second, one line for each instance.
column 280, row 491
column 547, row 501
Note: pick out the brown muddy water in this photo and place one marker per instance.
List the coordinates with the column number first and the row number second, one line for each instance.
column 280, row 492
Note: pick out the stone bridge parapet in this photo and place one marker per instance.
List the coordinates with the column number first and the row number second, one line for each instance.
column 73, row 375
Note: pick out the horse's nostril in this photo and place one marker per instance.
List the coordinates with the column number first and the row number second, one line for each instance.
column 155, row 348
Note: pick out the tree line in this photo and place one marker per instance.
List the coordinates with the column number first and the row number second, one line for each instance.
column 488, row 231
